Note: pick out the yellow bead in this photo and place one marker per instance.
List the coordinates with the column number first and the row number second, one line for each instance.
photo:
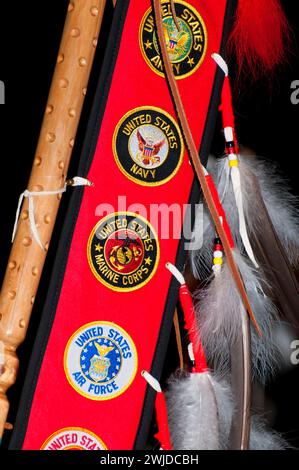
column 233, row 163
column 218, row 261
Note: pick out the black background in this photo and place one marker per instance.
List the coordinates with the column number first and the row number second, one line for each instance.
column 30, row 34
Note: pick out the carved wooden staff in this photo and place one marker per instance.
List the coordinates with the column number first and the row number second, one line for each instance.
column 49, row 171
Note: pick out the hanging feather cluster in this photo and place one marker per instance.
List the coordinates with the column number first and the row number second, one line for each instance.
column 197, row 424
column 220, row 313
column 282, row 206
column 201, row 405
column 219, row 306
column 263, row 190
column 210, row 408
column 272, row 222
column 197, row 398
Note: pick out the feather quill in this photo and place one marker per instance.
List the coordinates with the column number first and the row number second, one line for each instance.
column 240, row 362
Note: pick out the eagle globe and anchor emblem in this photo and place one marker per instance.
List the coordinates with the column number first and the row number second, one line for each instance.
column 125, row 251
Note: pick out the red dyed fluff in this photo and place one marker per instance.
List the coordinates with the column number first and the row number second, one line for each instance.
column 260, row 36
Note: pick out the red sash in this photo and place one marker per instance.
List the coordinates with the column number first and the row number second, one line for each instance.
column 109, row 310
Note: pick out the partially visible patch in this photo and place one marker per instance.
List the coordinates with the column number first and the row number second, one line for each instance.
column 186, row 47
column 100, row 360
column 123, row 251
column 148, row 146
column 73, row 439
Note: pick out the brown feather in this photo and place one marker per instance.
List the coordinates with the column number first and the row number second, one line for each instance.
column 241, row 387
column 272, row 257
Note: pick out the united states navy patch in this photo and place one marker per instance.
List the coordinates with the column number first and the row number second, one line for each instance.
column 100, row 360
column 148, row 146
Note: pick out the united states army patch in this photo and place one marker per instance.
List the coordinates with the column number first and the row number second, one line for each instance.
column 148, row 146
column 100, row 360
column 73, row 439
column 123, row 251
column 186, row 46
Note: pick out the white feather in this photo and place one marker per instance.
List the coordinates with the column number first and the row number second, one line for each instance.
column 199, row 411
column 194, row 422
column 239, row 197
column 220, row 322
column 261, row 438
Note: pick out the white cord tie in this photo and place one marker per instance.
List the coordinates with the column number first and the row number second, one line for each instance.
column 76, row 181
column 220, row 62
column 151, row 381
column 176, row 273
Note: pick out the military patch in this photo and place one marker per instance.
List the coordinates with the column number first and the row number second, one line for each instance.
column 73, row 439
column 100, row 360
column 148, row 146
column 186, row 46
column 123, row 251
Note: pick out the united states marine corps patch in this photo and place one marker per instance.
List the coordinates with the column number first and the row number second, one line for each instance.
column 100, row 360
column 73, row 439
column 186, row 46
column 123, row 251
column 148, row 146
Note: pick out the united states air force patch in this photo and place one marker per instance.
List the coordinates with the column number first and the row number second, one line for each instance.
column 100, row 360
column 186, row 46
column 148, row 146
column 123, row 251
column 73, row 439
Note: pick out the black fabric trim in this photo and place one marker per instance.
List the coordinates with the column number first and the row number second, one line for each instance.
column 163, row 340
column 89, row 147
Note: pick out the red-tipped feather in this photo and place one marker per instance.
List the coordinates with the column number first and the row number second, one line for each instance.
column 260, row 36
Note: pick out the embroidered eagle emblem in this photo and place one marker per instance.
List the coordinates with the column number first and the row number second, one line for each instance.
column 99, row 363
column 176, row 40
column 149, row 149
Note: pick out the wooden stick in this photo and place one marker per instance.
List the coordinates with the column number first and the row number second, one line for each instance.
column 49, row 171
